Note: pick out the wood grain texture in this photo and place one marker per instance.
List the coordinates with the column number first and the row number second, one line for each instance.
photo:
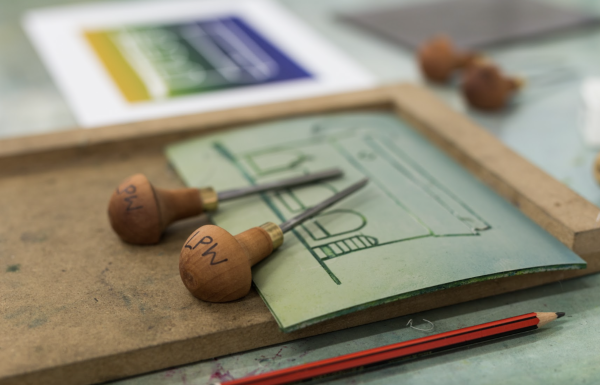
column 257, row 244
column 79, row 306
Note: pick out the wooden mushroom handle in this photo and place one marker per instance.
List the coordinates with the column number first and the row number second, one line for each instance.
column 485, row 87
column 438, row 59
column 215, row 265
column 139, row 212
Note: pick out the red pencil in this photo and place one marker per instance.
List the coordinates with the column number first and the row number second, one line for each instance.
column 434, row 343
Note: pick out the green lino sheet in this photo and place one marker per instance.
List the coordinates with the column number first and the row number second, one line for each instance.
column 423, row 223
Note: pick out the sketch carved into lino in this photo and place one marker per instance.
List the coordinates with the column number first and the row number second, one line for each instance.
column 417, row 205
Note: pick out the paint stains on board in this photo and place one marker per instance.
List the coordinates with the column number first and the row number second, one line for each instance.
column 264, row 359
column 13, row 268
column 126, row 300
column 174, row 374
column 219, row 373
column 39, row 321
column 33, row 237
column 30, row 316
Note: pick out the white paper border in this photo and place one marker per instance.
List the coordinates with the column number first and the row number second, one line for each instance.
column 57, row 34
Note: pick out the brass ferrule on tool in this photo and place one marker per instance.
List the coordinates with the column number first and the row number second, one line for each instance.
column 209, row 198
column 274, row 232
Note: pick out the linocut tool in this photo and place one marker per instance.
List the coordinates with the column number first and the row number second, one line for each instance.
column 215, row 266
column 140, row 212
column 485, row 87
column 431, row 344
column 439, row 59
column 483, row 84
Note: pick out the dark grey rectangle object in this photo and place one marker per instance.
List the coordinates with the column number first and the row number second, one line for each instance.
column 470, row 23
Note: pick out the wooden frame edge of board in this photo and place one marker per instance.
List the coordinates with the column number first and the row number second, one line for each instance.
column 552, row 205
column 81, row 137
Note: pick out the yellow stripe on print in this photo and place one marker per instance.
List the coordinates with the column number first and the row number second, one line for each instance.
column 130, row 84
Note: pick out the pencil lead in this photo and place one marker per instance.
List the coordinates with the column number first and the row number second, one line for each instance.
column 560, row 314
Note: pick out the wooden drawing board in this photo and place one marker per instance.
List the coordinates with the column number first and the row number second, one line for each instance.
column 78, row 306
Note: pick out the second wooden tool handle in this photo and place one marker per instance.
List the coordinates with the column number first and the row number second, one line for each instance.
column 178, row 204
column 139, row 212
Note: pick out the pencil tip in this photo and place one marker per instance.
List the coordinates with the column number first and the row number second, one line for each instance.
column 560, row 314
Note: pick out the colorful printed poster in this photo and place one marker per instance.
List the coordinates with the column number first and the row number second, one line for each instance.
column 166, row 61
column 118, row 63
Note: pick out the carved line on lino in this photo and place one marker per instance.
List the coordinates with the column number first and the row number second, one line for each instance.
column 394, row 198
column 283, row 195
column 327, row 233
column 299, row 159
column 434, row 182
column 296, row 145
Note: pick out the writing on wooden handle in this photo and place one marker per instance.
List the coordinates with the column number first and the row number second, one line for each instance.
column 215, row 266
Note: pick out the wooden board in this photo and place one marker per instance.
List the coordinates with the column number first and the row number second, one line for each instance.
column 77, row 306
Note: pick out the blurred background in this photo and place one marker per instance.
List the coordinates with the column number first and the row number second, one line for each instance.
column 543, row 124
